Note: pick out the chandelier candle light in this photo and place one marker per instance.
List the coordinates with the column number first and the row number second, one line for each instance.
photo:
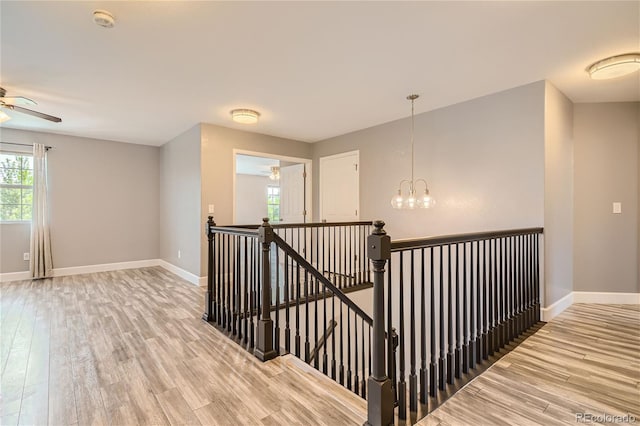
column 411, row 202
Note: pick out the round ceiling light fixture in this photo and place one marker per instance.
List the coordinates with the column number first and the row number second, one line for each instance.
column 245, row 116
column 103, row 18
column 615, row 66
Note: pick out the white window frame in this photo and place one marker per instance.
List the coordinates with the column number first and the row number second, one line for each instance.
column 21, row 187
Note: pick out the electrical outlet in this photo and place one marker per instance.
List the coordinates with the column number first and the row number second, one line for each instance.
column 212, row 209
column 179, row 254
column 26, row 256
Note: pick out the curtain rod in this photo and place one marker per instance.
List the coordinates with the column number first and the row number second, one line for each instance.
column 23, row 144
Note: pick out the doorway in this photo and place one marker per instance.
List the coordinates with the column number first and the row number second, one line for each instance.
column 267, row 185
column 340, row 187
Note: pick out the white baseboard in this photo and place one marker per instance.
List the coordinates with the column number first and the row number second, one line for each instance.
column 186, row 275
column 555, row 309
column 105, row 267
column 15, row 276
column 87, row 269
column 589, row 297
column 612, row 298
column 203, row 281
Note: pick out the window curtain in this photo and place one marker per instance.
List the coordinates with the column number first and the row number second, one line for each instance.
column 40, row 264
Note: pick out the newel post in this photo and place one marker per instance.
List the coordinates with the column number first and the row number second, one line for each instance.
column 208, row 297
column 380, row 401
column 264, row 344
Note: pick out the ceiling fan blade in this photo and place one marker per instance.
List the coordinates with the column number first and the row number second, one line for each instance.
column 34, row 113
column 21, row 100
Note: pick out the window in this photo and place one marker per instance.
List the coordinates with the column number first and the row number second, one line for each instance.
column 16, row 187
column 273, row 203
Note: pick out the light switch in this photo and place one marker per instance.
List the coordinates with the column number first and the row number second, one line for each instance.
column 211, row 208
column 617, row 207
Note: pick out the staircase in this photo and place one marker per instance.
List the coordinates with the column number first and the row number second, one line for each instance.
column 443, row 309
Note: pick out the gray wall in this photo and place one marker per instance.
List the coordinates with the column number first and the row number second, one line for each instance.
column 606, row 170
column 103, row 198
column 179, row 206
column 558, row 195
column 218, row 144
column 483, row 159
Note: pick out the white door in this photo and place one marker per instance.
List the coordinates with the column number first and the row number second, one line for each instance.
column 292, row 194
column 339, row 187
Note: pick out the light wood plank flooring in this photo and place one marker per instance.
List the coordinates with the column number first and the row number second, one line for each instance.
column 586, row 360
column 129, row 347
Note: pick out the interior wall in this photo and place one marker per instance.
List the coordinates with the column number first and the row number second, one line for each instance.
column 251, row 206
column 181, row 226
column 558, row 200
column 103, row 199
column 483, row 159
column 607, row 158
column 217, row 160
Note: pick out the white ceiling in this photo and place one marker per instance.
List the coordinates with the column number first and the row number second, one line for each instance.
column 313, row 69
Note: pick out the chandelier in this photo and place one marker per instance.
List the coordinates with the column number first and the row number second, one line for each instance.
column 275, row 173
column 409, row 200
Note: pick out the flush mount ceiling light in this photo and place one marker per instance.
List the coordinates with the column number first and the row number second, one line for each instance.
column 615, row 66
column 103, row 18
column 245, row 116
column 411, row 201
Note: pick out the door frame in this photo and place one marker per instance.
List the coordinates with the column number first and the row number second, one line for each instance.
column 308, row 162
column 331, row 157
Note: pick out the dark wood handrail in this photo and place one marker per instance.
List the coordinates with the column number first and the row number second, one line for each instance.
column 235, row 230
column 321, row 278
column 302, row 225
column 399, row 245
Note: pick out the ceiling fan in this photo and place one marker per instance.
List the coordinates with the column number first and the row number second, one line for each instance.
column 9, row 102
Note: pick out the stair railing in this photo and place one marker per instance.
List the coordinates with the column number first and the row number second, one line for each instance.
column 455, row 301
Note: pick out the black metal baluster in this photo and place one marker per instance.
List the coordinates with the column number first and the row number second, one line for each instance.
column 325, row 358
column 518, row 282
column 341, row 369
column 356, row 384
column 424, row 386
column 333, row 340
column 307, row 345
column 316, row 290
column 349, row 384
column 413, row 379
column 245, row 316
column 536, row 242
column 441, row 360
column 252, row 295
column 480, row 308
column 458, row 306
column 297, row 296
column 520, row 286
column 287, row 303
column 465, row 323
column 229, row 282
column 218, row 281
column 472, row 306
column 490, row 324
column 236, row 286
column 350, row 257
column 432, row 332
column 500, row 297
column 450, row 346
column 402, row 385
column 485, row 304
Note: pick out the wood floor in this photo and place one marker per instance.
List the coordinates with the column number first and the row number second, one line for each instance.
column 129, row 347
column 586, row 360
